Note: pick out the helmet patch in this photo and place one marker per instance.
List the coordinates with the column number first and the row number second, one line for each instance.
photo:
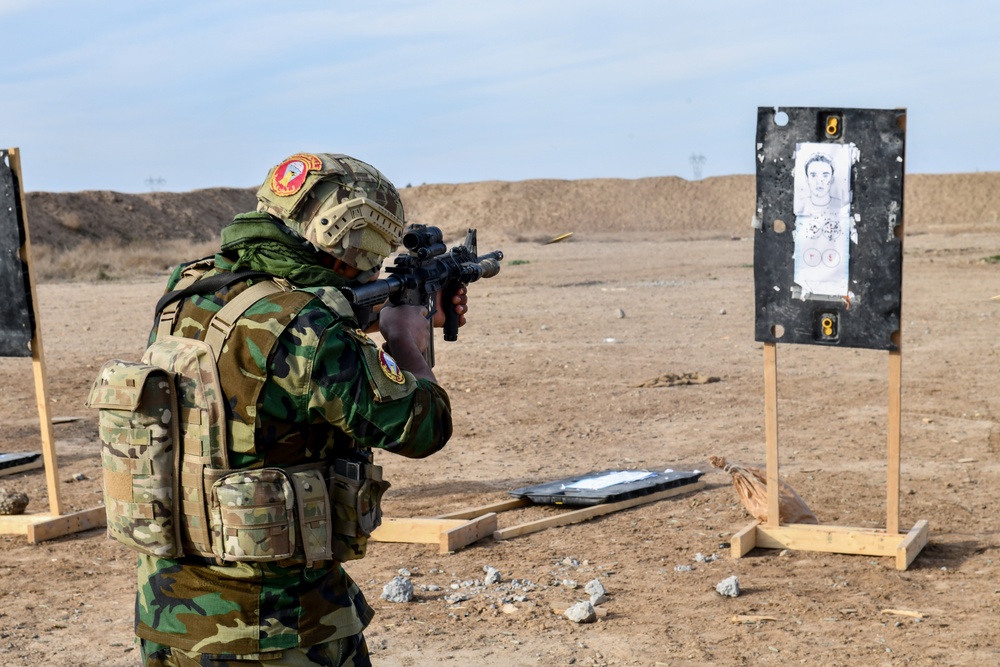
column 289, row 176
column 391, row 368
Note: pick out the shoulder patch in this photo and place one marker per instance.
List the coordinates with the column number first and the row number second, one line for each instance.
column 391, row 368
column 387, row 380
column 289, row 176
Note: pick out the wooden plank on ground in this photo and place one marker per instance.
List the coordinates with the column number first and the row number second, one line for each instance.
column 448, row 534
column 469, row 532
column 421, row 531
column 474, row 512
column 904, row 612
column 833, row 539
column 829, row 539
column 17, row 524
column 912, row 545
column 49, row 527
column 744, row 541
column 576, row 516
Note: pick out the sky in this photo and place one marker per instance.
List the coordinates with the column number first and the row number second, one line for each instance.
column 139, row 95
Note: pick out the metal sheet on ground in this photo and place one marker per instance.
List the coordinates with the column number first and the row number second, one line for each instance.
column 606, row 486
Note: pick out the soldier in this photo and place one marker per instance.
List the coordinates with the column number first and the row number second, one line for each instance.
column 305, row 390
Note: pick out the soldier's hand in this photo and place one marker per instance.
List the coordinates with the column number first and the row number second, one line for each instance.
column 460, row 302
column 404, row 326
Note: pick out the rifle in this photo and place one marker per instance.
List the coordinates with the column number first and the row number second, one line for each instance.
column 428, row 268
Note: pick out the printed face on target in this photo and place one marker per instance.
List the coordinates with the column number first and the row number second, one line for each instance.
column 819, row 175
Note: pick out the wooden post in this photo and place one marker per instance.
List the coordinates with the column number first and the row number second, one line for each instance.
column 892, row 471
column 771, row 431
column 38, row 355
column 39, row 526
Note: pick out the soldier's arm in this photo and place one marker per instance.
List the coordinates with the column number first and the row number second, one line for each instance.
column 375, row 399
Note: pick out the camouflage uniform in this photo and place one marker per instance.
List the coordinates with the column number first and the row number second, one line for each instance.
column 346, row 652
column 323, row 389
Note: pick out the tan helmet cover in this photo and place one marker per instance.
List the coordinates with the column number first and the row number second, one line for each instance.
column 343, row 206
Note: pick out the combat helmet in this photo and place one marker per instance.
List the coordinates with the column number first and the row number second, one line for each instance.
column 341, row 205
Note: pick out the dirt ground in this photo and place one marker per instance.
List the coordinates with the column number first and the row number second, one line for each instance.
column 544, row 385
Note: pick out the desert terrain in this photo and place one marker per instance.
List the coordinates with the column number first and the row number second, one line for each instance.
column 545, row 383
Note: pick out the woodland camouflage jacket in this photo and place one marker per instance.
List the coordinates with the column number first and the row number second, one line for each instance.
column 324, row 389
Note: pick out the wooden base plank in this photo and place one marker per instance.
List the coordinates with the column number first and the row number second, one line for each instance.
column 467, row 533
column 17, row 524
column 576, row 516
column 41, row 526
column 830, row 539
column 833, row 539
column 66, row 524
column 421, row 531
column 744, row 541
column 912, row 545
column 448, row 534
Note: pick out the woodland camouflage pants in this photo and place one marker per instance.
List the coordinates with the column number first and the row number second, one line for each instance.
column 347, row 652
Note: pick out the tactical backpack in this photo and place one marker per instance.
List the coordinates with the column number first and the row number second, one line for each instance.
column 168, row 487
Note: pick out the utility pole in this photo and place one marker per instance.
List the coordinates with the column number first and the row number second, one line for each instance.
column 697, row 161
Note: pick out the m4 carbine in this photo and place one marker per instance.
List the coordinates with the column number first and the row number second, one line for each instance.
column 429, row 267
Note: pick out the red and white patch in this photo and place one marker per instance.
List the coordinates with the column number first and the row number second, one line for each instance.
column 391, row 368
column 289, row 176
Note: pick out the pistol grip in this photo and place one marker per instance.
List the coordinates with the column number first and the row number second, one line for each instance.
column 450, row 316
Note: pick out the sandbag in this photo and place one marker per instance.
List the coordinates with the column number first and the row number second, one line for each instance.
column 751, row 487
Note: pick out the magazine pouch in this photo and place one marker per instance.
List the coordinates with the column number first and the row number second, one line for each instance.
column 356, row 490
column 137, row 420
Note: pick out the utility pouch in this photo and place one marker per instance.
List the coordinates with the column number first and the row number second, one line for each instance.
column 137, row 406
column 201, row 415
column 356, row 490
column 253, row 515
column 312, row 501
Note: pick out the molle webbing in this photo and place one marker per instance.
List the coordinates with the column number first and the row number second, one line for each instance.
column 192, row 283
column 171, row 425
column 232, row 514
column 202, row 410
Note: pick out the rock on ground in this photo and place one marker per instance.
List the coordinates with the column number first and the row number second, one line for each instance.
column 729, row 587
column 13, row 502
column 581, row 612
column 400, row 589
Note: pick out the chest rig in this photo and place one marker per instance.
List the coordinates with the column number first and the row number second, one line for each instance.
column 168, row 424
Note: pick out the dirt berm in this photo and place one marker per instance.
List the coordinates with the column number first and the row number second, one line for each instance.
column 505, row 211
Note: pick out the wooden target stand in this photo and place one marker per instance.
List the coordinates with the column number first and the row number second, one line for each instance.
column 863, row 150
column 833, row 539
column 40, row 526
